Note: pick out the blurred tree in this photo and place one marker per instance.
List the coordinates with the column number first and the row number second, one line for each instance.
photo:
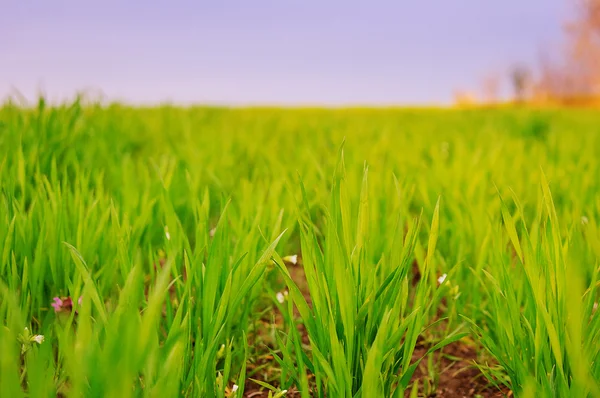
column 520, row 80
column 584, row 49
column 574, row 77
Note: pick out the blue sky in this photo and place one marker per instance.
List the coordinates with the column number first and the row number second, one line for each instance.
column 326, row 52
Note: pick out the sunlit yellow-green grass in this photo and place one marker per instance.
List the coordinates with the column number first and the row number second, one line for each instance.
column 151, row 248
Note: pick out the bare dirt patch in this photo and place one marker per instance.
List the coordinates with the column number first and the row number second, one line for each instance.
column 456, row 374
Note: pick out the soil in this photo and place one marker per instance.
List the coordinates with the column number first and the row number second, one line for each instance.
column 458, row 375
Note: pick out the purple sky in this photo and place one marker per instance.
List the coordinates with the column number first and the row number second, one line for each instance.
column 327, row 52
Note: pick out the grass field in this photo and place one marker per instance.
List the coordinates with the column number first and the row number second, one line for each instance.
column 303, row 253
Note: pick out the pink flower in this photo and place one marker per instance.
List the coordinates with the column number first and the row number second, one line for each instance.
column 63, row 303
column 57, row 304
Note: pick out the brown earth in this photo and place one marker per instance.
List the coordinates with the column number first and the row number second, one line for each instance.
column 458, row 375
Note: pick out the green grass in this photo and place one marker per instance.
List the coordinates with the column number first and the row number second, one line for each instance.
column 175, row 228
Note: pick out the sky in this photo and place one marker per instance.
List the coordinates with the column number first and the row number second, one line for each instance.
column 257, row 52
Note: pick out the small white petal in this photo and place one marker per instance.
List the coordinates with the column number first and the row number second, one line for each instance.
column 234, row 388
column 584, row 220
column 291, row 259
column 280, row 297
column 167, row 234
column 442, row 278
column 38, row 338
column 212, row 232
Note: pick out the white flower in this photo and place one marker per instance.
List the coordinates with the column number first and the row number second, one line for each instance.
column 291, row 259
column 38, row 338
column 442, row 278
column 280, row 297
column 234, row 388
column 167, row 234
column 584, row 220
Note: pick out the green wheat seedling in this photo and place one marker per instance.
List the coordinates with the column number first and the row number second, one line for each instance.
column 542, row 324
column 362, row 325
